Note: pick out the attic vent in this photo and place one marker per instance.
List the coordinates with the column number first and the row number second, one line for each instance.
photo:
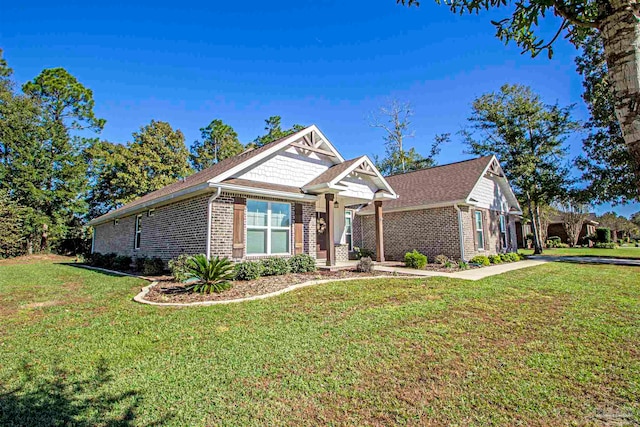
column 150, row 212
column 115, row 221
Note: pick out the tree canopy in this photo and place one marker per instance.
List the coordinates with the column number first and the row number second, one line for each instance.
column 274, row 130
column 219, row 141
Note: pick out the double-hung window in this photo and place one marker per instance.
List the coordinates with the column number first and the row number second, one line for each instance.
column 348, row 227
column 479, row 230
column 138, row 232
column 268, row 228
column 503, row 231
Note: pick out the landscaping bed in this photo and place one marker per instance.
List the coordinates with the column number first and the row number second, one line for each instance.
column 174, row 292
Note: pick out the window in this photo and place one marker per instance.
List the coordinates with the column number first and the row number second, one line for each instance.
column 503, row 231
column 479, row 231
column 138, row 231
column 348, row 226
column 268, row 228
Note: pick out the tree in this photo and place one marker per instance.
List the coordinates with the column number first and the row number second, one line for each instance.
column 528, row 138
column 66, row 117
column 11, row 231
column 616, row 21
column 573, row 214
column 635, row 218
column 607, row 167
column 156, row 157
column 394, row 120
column 274, row 131
column 219, row 141
column 617, row 223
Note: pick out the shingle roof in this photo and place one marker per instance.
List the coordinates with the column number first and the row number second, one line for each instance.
column 197, row 178
column 331, row 173
column 436, row 185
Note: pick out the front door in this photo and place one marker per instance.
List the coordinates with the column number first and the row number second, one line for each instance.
column 321, row 237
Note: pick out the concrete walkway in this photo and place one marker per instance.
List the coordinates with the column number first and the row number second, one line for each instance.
column 471, row 274
column 588, row 260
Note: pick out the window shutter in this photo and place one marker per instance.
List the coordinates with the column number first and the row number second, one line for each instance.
column 239, row 204
column 298, row 229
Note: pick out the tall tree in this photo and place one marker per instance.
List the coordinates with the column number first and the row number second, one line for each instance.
column 67, row 116
column 616, row 21
column 395, row 120
column 11, row 234
column 607, row 167
column 109, row 178
column 573, row 213
column 274, row 130
column 219, row 141
column 528, row 137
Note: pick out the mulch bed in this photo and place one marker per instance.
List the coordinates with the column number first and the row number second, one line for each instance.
column 164, row 291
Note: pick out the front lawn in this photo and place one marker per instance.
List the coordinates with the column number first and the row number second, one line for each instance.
column 556, row 344
column 618, row 252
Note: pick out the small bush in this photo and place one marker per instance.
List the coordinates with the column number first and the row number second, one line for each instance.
column 139, row 262
column 448, row 264
column 109, row 260
column 96, row 259
column 463, row 265
column 363, row 253
column 603, row 235
column 521, row 256
column 513, row 257
column 480, row 260
column 122, row 263
column 365, row 265
column 213, row 275
column 504, row 257
column 152, row 267
column 302, row 263
column 415, row 259
column 495, row 259
column 179, row 268
column 601, row 245
column 248, row 270
column 442, row 259
column 275, row 266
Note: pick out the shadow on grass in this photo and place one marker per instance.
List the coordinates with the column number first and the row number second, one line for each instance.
column 56, row 399
column 588, row 259
column 94, row 269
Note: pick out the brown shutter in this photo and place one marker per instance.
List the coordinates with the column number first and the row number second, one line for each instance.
column 239, row 204
column 298, row 229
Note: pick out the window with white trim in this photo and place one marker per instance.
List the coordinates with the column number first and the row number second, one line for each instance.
column 503, row 231
column 268, row 228
column 479, row 230
column 348, row 229
column 138, row 235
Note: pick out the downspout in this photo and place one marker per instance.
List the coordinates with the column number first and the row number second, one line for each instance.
column 93, row 239
column 460, row 230
column 209, row 209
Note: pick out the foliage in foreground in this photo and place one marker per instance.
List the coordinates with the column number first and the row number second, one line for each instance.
column 415, row 259
column 213, row 274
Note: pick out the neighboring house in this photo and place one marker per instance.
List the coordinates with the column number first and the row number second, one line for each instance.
column 288, row 197
column 556, row 228
column 460, row 210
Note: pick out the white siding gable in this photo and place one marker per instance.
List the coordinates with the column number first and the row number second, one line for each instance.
column 489, row 194
column 358, row 188
column 287, row 167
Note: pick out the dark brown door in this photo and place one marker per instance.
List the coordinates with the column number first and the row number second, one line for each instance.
column 321, row 237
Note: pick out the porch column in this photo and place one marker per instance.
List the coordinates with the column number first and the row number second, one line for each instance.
column 379, row 232
column 331, row 248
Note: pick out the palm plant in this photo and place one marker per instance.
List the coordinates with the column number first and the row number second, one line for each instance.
column 213, row 274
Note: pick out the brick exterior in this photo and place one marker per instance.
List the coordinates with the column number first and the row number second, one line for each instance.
column 433, row 232
column 181, row 227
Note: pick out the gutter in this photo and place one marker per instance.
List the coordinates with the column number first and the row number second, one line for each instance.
column 460, row 230
column 209, row 220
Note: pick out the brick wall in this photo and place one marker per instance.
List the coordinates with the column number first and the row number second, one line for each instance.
column 432, row 232
column 181, row 227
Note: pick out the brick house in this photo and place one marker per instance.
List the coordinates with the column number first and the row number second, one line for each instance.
column 556, row 228
column 460, row 210
column 294, row 195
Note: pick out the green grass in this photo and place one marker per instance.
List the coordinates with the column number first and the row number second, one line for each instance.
column 618, row 252
column 557, row 344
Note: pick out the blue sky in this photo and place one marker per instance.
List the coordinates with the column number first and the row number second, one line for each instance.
column 325, row 62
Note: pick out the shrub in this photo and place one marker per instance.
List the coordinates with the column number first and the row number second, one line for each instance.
column 96, row 259
column 495, row 259
column 152, row 267
column 512, row 256
column 448, row 264
column 365, row 265
column 441, row 259
column 109, row 260
column 415, row 259
column 363, row 253
column 480, row 260
column 601, row 245
column 122, row 263
column 178, row 267
column 248, row 270
column 275, row 266
column 139, row 262
column 603, row 235
column 302, row 263
column 213, row 274
column 504, row 257
column 521, row 256
column 462, row 265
